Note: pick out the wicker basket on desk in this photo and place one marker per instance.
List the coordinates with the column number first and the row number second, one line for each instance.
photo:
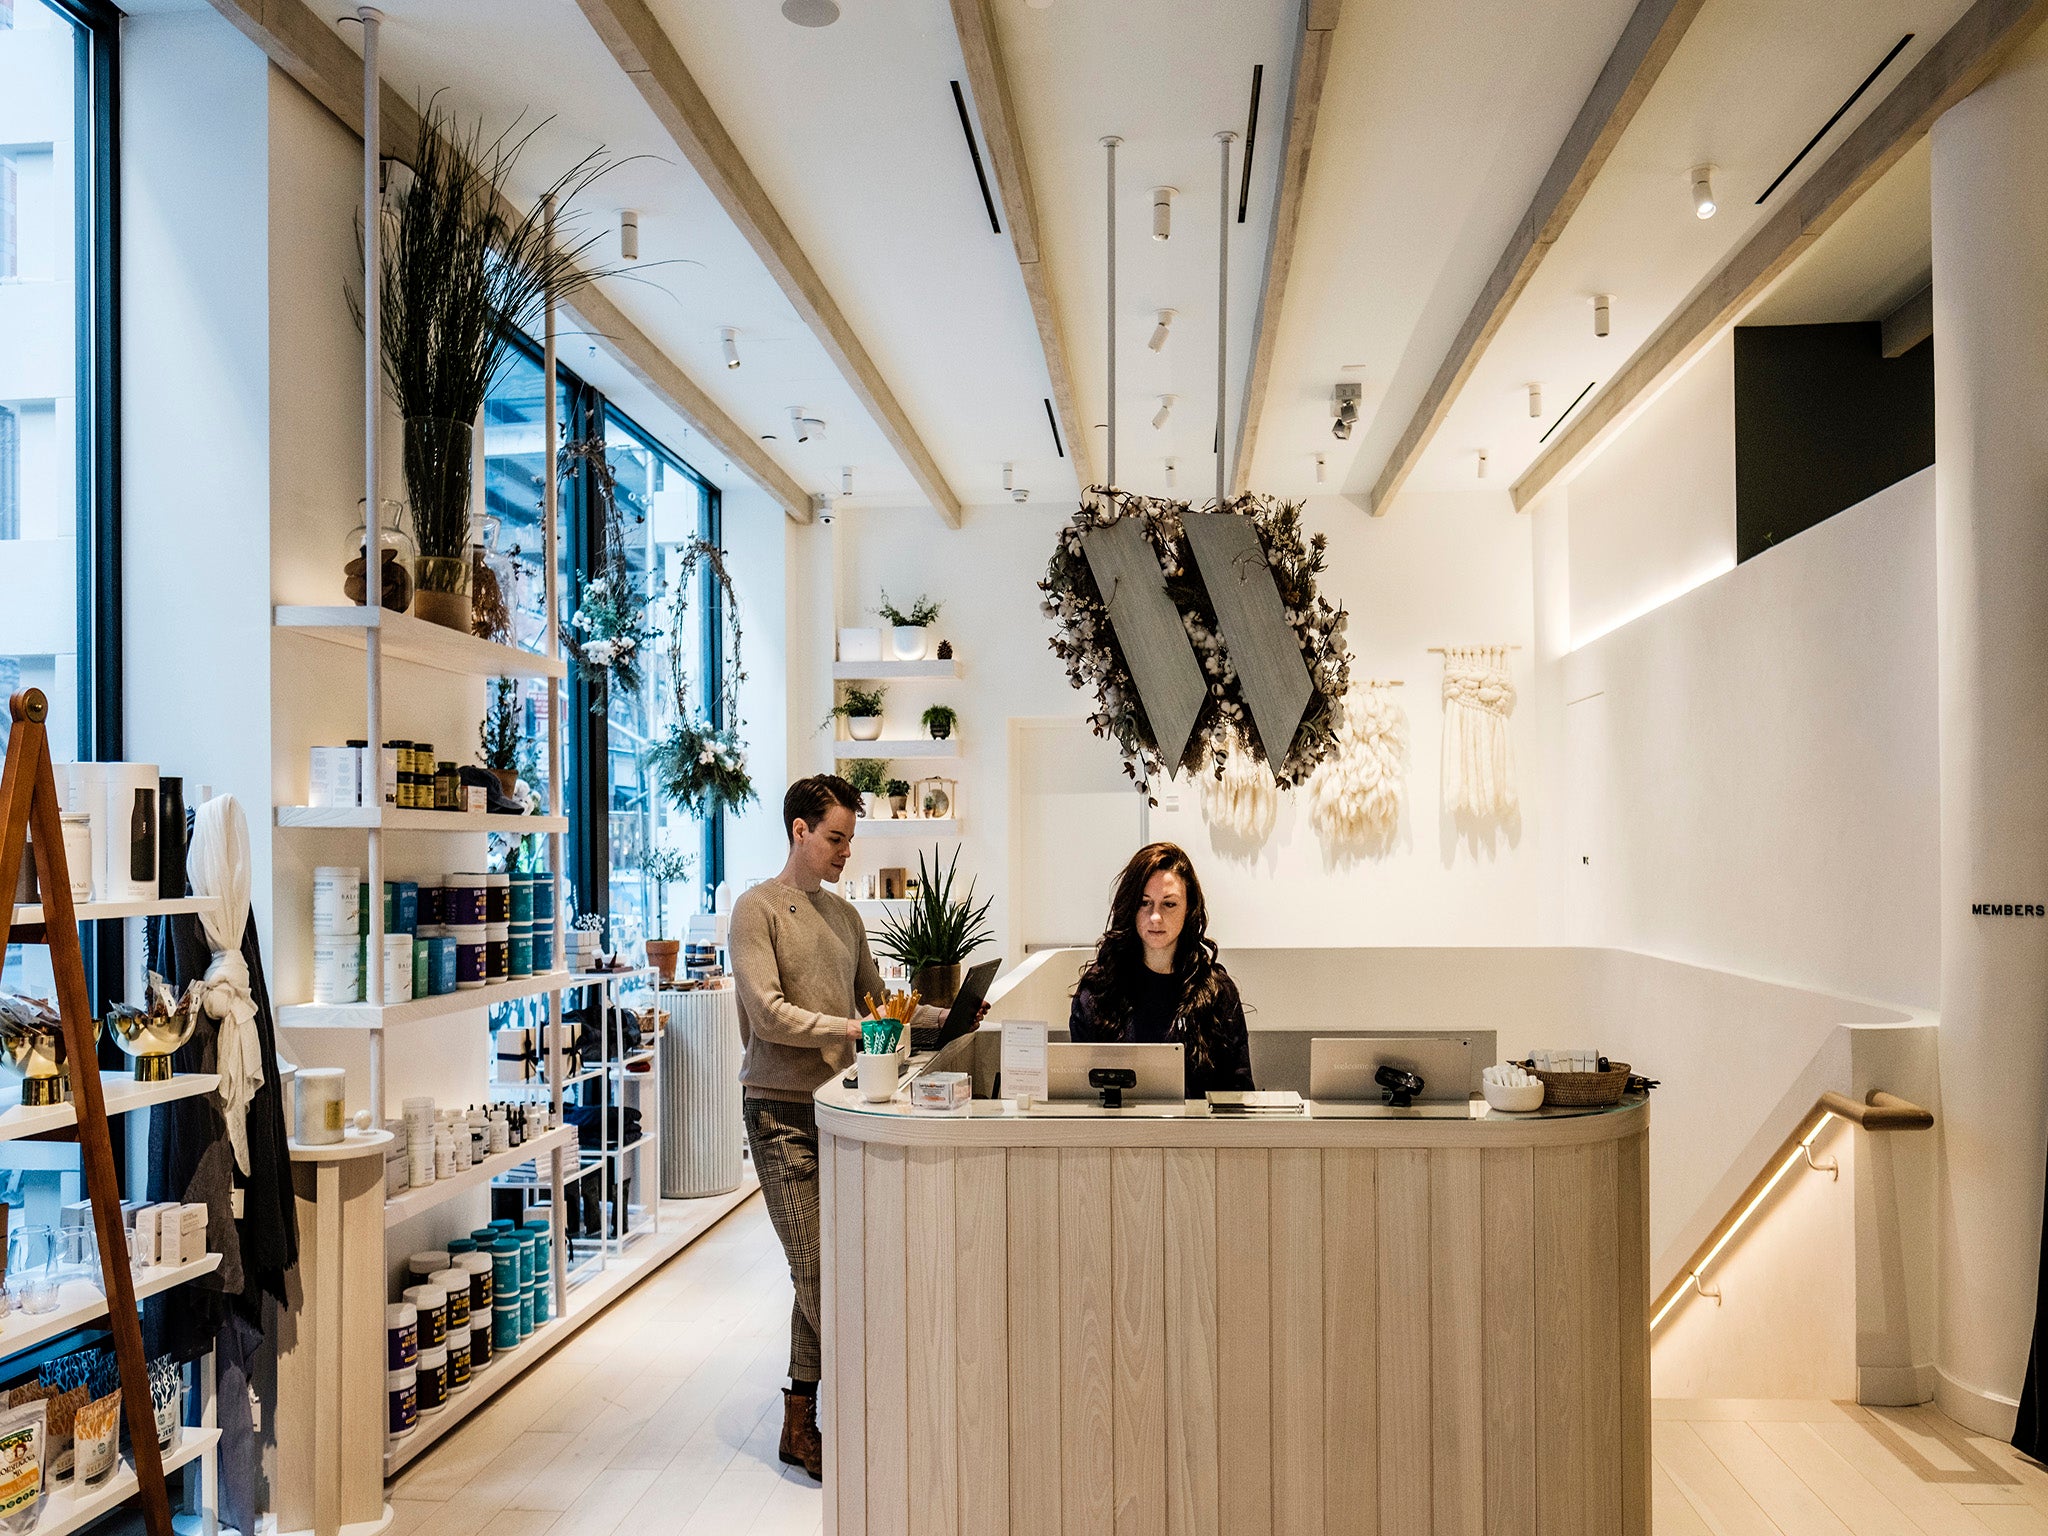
column 1582, row 1090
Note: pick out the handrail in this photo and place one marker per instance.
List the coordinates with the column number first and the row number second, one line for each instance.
column 1880, row 1111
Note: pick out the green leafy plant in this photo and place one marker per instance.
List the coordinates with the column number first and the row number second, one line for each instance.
column 859, row 704
column 937, row 930
column 461, row 275
column 898, row 789
column 608, row 632
column 867, row 774
column 940, row 720
column 702, row 767
column 663, row 868
column 498, row 737
column 922, row 612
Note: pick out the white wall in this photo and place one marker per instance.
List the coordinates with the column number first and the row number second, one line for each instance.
column 1750, row 775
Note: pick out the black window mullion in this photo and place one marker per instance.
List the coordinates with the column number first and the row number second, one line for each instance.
column 710, row 526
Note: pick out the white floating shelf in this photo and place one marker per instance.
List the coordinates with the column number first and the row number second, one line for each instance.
column 107, row 911
column 896, row 671
column 886, row 906
column 391, row 819
column 406, row 638
column 68, row 1507
column 885, row 750
column 912, row 826
column 121, row 1093
column 484, row 1383
column 410, row 1204
column 384, row 1016
column 80, row 1301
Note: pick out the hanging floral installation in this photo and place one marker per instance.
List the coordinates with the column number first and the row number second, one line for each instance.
column 607, row 634
column 1241, row 798
column 1084, row 640
column 1354, row 798
column 700, row 766
column 1479, row 759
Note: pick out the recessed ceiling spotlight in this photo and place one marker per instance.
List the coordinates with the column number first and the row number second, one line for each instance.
column 1482, row 463
column 1535, row 400
column 1162, row 211
column 1164, row 412
column 811, row 13
column 1172, row 474
column 731, row 337
column 629, row 234
column 1703, row 204
column 846, row 480
column 1009, row 477
column 1160, row 331
column 1603, row 304
column 1322, row 470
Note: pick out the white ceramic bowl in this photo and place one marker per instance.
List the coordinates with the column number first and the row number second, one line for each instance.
column 1514, row 1101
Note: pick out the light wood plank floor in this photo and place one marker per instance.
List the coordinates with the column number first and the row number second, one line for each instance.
column 661, row 1418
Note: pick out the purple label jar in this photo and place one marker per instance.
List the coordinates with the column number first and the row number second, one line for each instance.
column 462, row 899
column 497, row 951
column 469, row 956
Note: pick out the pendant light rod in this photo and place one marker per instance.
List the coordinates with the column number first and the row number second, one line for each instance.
column 1224, row 141
column 1109, row 143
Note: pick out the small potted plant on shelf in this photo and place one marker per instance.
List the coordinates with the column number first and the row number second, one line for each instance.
column 907, row 626
column 899, row 797
column 868, row 775
column 939, row 720
column 861, row 709
column 498, row 737
column 664, row 867
column 937, row 934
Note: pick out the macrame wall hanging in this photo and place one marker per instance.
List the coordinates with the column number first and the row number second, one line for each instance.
column 1354, row 798
column 1244, row 798
column 1479, row 757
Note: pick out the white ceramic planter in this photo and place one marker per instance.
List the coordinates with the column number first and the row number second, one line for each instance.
column 906, row 641
column 864, row 727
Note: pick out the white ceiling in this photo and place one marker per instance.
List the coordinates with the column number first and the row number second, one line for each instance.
column 1437, row 123
column 1869, row 262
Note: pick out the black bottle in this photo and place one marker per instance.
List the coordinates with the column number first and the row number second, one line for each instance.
column 142, row 839
column 170, row 863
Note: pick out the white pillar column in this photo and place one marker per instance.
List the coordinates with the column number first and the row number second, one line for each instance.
column 1991, row 532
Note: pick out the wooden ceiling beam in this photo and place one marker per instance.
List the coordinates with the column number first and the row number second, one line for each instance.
column 298, row 42
column 1965, row 57
column 643, row 50
column 1646, row 45
column 995, row 115
column 1305, row 99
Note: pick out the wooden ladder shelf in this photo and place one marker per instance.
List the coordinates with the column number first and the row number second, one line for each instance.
column 28, row 804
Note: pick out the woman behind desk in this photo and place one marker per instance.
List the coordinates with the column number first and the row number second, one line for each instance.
column 1155, row 979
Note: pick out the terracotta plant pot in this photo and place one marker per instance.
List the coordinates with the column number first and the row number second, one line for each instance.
column 508, row 778
column 661, row 954
column 938, row 985
column 864, row 727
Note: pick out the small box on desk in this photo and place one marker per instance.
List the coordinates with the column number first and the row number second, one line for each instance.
column 942, row 1093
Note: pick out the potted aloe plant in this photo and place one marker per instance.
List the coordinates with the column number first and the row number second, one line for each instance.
column 460, row 275
column 907, row 626
column 937, row 934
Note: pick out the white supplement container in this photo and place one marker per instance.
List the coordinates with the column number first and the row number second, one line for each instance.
column 337, row 899
column 337, row 971
column 401, row 1393
column 401, row 1337
column 397, row 967
column 432, row 1379
column 320, row 1121
column 422, row 1266
column 431, row 1308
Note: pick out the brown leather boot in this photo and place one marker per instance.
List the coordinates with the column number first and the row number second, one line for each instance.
column 802, row 1445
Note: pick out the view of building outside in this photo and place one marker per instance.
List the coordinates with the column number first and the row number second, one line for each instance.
column 41, row 338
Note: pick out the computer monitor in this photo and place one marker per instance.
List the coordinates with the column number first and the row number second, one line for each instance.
column 1157, row 1074
column 1341, row 1069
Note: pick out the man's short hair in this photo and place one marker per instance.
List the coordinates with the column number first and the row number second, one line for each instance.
column 809, row 799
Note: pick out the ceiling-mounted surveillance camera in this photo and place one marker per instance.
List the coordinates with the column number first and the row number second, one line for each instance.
column 823, row 506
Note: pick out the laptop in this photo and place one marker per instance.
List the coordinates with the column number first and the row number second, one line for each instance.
column 965, row 1014
column 1341, row 1069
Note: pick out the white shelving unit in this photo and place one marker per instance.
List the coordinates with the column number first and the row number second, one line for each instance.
column 111, row 911
column 382, row 1016
column 123, row 1094
column 79, row 1301
column 391, row 819
column 929, row 751
column 911, row 826
column 415, row 1201
column 946, row 671
column 402, row 637
column 70, row 1507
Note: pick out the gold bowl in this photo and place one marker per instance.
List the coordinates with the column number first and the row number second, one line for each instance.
column 151, row 1035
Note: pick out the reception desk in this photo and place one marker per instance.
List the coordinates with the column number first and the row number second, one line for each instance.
column 1089, row 1322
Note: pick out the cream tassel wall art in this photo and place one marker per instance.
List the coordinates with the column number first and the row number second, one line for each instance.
column 1479, row 758
column 1354, row 798
column 1245, row 800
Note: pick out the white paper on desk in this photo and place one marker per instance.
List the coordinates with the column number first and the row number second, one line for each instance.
column 1024, row 1060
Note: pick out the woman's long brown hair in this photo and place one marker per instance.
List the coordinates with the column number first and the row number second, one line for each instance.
column 1112, row 975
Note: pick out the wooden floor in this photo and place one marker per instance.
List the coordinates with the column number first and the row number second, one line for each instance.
column 661, row 1418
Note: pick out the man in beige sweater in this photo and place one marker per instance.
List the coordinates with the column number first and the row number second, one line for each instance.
column 802, row 969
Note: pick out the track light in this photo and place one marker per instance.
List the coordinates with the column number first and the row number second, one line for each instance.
column 1482, row 463
column 1165, row 411
column 846, row 480
column 805, row 428
column 629, row 234
column 1322, row 470
column 1345, row 399
column 1009, row 477
column 731, row 338
column 1162, row 211
column 1703, row 203
column 1172, row 474
column 1159, row 331
column 1602, row 306
column 1535, row 400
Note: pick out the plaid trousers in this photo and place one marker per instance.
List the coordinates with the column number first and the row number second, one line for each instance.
column 784, row 1139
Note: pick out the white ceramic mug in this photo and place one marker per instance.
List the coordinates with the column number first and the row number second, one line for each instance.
column 879, row 1072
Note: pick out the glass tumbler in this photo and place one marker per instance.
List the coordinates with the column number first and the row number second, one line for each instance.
column 31, row 1268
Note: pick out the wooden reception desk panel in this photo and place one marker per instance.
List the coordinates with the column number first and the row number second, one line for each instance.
column 1248, row 1340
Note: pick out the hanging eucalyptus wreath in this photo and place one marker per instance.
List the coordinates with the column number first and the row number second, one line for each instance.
column 702, row 768
column 1084, row 639
column 607, row 633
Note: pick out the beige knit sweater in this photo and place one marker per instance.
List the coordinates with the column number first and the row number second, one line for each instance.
column 801, row 966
